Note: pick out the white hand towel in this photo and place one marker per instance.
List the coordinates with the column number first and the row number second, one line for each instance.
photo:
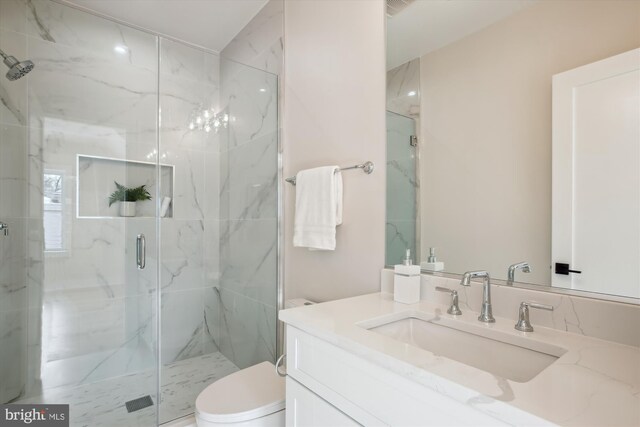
column 318, row 208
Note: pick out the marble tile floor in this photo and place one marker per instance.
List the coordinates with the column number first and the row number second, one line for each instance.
column 102, row 404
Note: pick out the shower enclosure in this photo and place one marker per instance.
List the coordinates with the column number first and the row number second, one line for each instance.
column 402, row 189
column 127, row 319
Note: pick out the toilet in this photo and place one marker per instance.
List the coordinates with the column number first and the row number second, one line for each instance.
column 253, row 396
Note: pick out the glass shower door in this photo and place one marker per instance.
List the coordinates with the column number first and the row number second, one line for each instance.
column 79, row 298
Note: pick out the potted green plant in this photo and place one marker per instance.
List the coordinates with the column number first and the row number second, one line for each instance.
column 128, row 198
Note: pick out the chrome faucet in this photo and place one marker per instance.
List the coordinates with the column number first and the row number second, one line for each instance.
column 524, row 324
column 486, row 315
column 511, row 274
column 453, row 308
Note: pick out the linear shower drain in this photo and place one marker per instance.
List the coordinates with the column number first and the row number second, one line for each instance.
column 139, row 403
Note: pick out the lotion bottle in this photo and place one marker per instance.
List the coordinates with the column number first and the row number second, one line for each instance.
column 406, row 281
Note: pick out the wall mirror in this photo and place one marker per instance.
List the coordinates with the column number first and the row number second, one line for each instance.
column 513, row 140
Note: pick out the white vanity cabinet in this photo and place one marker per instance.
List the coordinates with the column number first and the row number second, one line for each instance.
column 328, row 386
column 307, row 409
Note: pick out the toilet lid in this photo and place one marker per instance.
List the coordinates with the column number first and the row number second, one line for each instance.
column 244, row 395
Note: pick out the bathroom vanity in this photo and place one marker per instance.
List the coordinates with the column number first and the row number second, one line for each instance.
column 371, row 361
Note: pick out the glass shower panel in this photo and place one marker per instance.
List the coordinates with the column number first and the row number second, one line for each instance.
column 191, row 124
column 245, row 300
column 219, row 131
column 402, row 188
column 83, row 315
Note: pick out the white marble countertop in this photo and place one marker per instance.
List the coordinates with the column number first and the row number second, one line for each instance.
column 595, row 383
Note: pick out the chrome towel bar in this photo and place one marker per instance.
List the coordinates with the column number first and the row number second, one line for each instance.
column 367, row 167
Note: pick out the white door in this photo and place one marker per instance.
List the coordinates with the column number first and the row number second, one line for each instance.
column 596, row 178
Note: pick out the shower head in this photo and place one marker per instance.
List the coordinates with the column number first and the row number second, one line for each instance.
column 17, row 69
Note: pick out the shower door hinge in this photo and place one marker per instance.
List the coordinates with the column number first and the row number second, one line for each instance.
column 413, row 140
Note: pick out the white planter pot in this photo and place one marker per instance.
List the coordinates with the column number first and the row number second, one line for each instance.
column 127, row 208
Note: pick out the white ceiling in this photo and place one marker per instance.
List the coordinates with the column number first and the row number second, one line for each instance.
column 427, row 25
column 208, row 23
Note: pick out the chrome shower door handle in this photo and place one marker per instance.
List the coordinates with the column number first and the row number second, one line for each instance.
column 141, row 256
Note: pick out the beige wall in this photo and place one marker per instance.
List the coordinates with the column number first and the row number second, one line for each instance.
column 334, row 113
column 486, row 110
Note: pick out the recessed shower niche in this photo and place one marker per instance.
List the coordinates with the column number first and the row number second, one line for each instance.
column 96, row 181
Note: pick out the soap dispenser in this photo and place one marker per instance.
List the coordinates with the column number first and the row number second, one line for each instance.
column 406, row 281
column 432, row 263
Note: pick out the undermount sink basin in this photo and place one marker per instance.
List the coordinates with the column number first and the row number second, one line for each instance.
column 508, row 356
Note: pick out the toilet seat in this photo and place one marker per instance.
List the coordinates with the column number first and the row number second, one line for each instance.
column 244, row 395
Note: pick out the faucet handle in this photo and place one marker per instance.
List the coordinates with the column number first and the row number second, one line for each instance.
column 453, row 309
column 523, row 315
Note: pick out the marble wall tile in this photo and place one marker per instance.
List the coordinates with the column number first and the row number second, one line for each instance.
column 212, row 319
column 248, row 253
column 211, row 252
column 13, row 171
column 55, row 23
column 189, row 184
column 12, row 353
column 403, row 187
column 212, row 69
column 180, row 98
column 259, row 43
column 77, row 85
column 182, row 255
column 247, row 330
column 182, row 61
column 89, row 314
column 88, row 337
column 250, row 179
column 13, row 280
column 13, row 95
column 400, row 236
column 403, row 89
column 212, row 185
column 251, row 97
column 13, row 15
column 95, row 257
column 182, row 325
column 189, row 82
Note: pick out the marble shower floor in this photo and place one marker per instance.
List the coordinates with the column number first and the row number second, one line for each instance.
column 102, row 404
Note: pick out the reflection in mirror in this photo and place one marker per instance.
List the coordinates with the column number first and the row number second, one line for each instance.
column 528, row 126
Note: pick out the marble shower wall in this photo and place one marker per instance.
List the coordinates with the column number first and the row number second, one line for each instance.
column 13, row 273
column 246, row 299
column 189, row 81
column 402, row 190
column 402, row 225
column 403, row 89
column 260, row 43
